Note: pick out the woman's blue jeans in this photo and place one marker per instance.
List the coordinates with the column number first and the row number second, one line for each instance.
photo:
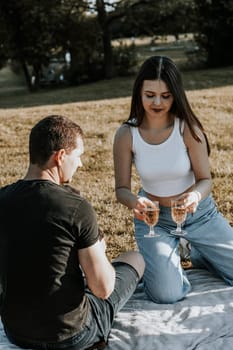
column 211, row 239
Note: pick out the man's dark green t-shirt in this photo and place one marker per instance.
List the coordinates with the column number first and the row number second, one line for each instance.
column 43, row 226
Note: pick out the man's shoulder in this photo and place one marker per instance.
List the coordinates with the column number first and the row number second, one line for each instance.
column 8, row 188
column 73, row 194
column 71, row 189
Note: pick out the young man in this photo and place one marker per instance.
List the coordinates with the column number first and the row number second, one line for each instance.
column 51, row 241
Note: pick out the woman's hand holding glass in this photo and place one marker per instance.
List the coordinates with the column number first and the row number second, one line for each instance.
column 191, row 201
column 178, row 212
column 148, row 211
column 187, row 203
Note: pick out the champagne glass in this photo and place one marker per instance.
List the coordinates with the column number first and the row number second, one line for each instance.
column 151, row 217
column 179, row 213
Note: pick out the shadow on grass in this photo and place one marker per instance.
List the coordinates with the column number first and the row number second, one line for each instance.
column 107, row 89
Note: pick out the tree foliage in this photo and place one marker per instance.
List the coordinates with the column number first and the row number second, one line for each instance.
column 156, row 18
column 215, row 30
column 32, row 31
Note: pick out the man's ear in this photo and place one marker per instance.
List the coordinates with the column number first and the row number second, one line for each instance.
column 59, row 156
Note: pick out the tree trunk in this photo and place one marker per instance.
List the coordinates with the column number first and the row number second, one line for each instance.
column 13, row 23
column 108, row 55
column 27, row 76
column 106, row 37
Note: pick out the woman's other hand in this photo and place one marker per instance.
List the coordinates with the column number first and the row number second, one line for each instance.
column 141, row 203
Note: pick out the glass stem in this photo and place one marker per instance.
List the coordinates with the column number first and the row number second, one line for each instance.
column 178, row 229
column 151, row 230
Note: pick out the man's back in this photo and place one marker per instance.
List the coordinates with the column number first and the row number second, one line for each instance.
column 52, row 241
column 45, row 224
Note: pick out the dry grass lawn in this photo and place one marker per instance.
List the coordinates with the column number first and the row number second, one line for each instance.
column 100, row 108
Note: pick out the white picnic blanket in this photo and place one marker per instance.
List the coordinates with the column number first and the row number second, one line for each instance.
column 202, row 321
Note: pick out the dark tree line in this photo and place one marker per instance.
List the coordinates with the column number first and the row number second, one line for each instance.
column 215, row 31
column 32, row 31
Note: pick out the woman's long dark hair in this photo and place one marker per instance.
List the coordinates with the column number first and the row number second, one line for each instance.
column 163, row 68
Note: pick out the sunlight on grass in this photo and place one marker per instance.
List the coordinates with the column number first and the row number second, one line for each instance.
column 100, row 108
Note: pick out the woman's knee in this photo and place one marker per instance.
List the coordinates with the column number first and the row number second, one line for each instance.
column 164, row 289
column 165, row 296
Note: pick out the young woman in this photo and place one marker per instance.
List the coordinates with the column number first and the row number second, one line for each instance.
column 168, row 145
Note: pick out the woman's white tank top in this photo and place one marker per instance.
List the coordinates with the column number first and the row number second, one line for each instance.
column 165, row 169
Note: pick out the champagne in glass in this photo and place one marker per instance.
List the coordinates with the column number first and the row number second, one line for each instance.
column 151, row 217
column 179, row 213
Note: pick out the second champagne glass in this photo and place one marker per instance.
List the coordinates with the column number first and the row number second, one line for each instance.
column 151, row 217
column 179, row 213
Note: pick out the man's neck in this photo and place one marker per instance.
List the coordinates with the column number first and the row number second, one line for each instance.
column 36, row 173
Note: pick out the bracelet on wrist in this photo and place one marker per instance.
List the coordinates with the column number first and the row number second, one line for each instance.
column 198, row 195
